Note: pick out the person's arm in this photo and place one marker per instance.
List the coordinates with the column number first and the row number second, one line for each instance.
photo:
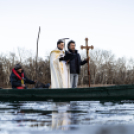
column 84, row 61
column 68, row 57
column 14, row 81
column 62, row 58
column 29, row 81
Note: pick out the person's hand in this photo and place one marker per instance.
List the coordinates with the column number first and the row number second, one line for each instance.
column 61, row 59
column 35, row 81
column 23, row 85
column 87, row 59
column 67, row 61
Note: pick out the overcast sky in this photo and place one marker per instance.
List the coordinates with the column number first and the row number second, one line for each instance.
column 109, row 24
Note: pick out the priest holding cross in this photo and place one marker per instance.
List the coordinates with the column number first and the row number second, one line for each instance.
column 87, row 50
column 75, row 63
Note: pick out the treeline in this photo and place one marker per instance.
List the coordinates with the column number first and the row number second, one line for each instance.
column 104, row 68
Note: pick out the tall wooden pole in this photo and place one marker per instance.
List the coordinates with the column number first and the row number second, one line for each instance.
column 86, row 40
column 37, row 54
column 87, row 51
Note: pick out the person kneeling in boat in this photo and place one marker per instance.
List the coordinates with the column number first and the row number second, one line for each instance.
column 18, row 78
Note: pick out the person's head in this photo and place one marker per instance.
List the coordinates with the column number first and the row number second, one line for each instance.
column 18, row 68
column 60, row 44
column 71, row 45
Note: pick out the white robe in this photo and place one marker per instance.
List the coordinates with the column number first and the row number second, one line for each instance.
column 60, row 72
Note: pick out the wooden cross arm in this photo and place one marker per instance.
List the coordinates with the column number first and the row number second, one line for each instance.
column 87, row 47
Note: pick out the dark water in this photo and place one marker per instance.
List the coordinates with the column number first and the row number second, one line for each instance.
column 69, row 117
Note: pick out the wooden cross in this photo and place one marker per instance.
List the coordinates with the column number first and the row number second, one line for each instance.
column 87, row 48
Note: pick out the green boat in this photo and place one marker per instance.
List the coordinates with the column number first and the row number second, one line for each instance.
column 109, row 93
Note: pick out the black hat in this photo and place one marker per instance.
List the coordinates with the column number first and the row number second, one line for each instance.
column 17, row 66
column 71, row 41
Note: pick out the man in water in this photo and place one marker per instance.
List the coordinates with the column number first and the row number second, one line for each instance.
column 18, row 78
column 60, row 72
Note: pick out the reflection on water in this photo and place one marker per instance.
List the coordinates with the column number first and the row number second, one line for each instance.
column 30, row 117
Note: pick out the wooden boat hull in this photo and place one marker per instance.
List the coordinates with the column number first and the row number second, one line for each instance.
column 111, row 93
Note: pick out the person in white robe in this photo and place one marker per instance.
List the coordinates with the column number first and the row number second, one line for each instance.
column 60, row 78
column 60, row 72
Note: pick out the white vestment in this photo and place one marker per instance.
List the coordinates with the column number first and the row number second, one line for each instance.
column 60, row 78
column 60, row 72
